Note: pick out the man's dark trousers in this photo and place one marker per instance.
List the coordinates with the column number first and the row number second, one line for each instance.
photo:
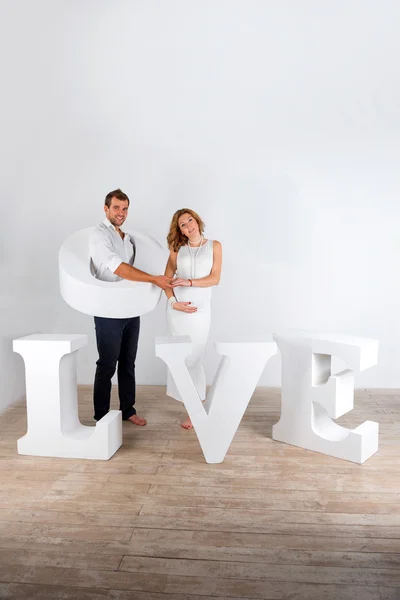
column 117, row 341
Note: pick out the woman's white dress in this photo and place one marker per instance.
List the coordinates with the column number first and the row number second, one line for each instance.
column 192, row 263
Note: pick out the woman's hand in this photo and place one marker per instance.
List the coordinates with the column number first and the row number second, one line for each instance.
column 184, row 307
column 180, row 282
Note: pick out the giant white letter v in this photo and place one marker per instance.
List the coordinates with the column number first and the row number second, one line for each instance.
column 217, row 420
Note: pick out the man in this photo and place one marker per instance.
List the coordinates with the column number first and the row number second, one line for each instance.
column 112, row 252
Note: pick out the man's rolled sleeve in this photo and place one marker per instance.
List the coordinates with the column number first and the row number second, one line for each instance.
column 102, row 252
column 112, row 262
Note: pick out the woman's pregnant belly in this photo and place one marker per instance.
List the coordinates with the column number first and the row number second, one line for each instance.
column 199, row 297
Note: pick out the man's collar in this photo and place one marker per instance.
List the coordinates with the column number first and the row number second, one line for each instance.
column 108, row 223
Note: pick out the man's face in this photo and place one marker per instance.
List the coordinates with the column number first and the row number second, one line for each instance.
column 117, row 212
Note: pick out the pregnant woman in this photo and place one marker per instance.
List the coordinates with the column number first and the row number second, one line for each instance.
column 196, row 264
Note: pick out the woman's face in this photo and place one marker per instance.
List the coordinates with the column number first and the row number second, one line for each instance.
column 189, row 226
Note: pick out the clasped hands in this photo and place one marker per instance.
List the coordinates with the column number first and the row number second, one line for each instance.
column 178, row 281
column 167, row 282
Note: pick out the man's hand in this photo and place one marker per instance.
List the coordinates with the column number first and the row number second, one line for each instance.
column 184, row 307
column 181, row 282
column 162, row 281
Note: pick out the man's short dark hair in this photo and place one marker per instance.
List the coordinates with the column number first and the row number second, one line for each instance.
column 118, row 194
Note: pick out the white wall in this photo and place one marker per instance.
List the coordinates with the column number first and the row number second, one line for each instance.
column 276, row 120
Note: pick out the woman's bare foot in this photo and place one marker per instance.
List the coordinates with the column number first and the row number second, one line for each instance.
column 137, row 420
column 187, row 424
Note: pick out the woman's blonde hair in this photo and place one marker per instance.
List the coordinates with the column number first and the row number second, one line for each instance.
column 175, row 238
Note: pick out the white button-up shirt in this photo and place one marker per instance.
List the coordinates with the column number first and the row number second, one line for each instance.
column 108, row 250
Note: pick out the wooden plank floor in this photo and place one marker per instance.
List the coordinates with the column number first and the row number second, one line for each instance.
column 156, row 522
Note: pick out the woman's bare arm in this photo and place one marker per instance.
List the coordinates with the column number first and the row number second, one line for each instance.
column 170, row 271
